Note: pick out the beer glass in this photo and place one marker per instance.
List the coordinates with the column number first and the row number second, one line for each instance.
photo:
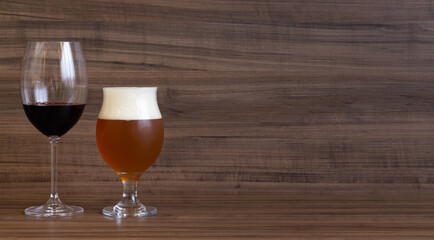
column 129, row 135
column 54, row 93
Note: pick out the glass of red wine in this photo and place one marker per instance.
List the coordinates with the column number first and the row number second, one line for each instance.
column 54, row 94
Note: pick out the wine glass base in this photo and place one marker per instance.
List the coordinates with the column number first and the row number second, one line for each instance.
column 116, row 212
column 48, row 210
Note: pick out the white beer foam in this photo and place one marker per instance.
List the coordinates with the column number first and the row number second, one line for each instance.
column 129, row 103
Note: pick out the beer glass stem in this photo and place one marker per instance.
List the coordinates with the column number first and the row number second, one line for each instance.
column 54, row 140
column 129, row 206
column 129, row 197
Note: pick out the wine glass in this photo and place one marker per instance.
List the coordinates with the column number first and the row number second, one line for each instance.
column 54, row 93
column 129, row 135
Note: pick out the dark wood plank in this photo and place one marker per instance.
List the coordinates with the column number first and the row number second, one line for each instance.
column 228, row 217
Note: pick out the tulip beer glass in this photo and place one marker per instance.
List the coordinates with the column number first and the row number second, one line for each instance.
column 129, row 135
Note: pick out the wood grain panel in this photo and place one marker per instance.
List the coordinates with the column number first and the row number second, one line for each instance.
column 273, row 12
column 366, row 130
column 232, row 47
column 257, row 96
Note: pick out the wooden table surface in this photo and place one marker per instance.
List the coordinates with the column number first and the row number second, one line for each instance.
column 231, row 217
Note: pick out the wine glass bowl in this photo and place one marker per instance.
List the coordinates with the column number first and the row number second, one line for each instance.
column 54, row 94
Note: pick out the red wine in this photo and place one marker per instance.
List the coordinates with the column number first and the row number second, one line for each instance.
column 53, row 119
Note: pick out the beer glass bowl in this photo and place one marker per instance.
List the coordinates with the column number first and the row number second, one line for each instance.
column 54, row 93
column 129, row 135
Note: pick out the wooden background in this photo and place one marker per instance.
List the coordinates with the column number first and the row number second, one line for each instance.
column 257, row 96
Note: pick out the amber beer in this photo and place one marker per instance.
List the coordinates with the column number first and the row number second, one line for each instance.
column 129, row 130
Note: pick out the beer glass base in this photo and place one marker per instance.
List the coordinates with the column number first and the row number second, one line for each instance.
column 48, row 210
column 117, row 212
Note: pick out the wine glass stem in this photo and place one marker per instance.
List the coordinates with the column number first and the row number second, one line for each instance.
column 54, row 140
